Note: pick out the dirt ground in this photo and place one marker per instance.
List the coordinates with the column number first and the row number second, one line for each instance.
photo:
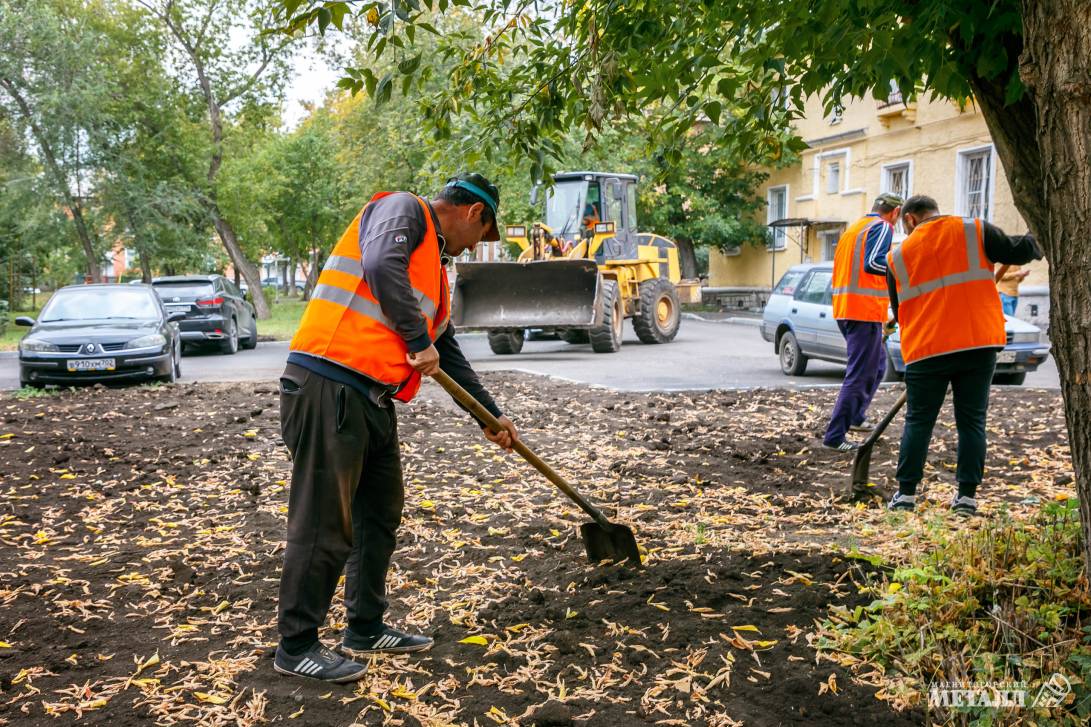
column 142, row 534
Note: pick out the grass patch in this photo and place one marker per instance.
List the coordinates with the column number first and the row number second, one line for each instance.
column 1006, row 603
column 284, row 319
column 29, row 392
column 9, row 338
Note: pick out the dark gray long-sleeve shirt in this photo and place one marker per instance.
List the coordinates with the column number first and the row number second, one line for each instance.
column 390, row 230
column 999, row 248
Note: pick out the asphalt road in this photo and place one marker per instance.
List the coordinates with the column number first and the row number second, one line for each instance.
column 703, row 356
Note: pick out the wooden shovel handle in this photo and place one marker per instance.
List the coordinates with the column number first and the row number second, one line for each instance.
column 478, row 410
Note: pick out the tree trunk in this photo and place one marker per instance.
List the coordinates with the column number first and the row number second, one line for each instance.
column 1056, row 68
column 291, row 276
column 687, row 257
column 145, row 265
column 242, row 266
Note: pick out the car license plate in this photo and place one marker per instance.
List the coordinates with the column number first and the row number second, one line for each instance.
column 92, row 364
column 1005, row 357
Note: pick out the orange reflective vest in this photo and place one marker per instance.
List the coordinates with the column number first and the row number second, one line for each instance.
column 343, row 322
column 947, row 300
column 857, row 294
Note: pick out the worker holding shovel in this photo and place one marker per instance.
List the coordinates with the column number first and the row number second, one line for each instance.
column 860, row 308
column 944, row 300
column 377, row 321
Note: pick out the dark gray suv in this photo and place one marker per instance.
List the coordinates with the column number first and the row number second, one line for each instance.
column 215, row 309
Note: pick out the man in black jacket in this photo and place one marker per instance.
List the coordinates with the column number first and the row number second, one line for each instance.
column 347, row 492
column 968, row 372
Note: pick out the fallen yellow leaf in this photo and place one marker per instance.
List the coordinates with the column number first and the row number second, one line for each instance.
column 5, row 645
column 479, row 640
column 215, row 698
column 746, row 627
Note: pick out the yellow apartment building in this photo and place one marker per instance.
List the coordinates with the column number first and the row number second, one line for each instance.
column 928, row 147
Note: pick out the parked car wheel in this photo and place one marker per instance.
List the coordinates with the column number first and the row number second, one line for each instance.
column 607, row 337
column 251, row 340
column 892, row 374
column 1011, row 379
column 230, row 342
column 792, row 360
column 175, row 371
column 505, row 343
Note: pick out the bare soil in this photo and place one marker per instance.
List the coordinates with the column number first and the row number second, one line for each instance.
column 142, row 534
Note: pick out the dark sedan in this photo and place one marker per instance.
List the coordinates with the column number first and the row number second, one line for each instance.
column 93, row 333
column 215, row 310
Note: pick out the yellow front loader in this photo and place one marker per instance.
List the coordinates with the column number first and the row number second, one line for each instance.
column 580, row 273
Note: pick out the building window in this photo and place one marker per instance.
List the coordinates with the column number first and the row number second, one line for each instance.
column 828, row 239
column 777, row 200
column 896, row 179
column 974, row 187
column 833, row 177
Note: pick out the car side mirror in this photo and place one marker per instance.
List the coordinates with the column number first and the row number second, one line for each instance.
column 176, row 316
column 24, row 321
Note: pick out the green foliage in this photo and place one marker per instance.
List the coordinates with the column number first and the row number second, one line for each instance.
column 542, row 68
column 1007, row 602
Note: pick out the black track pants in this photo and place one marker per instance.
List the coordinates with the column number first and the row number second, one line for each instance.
column 344, row 506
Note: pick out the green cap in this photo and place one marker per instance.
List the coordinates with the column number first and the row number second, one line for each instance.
column 889, row 199
column 484, row 190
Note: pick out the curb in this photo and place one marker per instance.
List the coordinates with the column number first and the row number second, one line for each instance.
column 736, row 320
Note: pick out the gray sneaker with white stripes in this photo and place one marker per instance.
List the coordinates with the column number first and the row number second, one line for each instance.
column 319, row 663
column 389, row 641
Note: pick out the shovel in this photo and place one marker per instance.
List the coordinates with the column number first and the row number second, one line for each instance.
column 602, row 539
column 861, row 466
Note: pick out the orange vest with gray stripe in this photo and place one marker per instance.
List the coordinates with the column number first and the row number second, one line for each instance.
column 947, row 300
column 343, row 322
column 857, row 294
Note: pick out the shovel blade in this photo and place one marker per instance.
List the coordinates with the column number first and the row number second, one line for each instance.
column 616, row 543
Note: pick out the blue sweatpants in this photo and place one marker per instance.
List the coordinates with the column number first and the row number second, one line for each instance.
column 863, row 374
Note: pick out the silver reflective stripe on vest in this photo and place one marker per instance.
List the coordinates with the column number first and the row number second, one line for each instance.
column 343, row 264
column 351, row 266
column 973, row 273
column 858, row 253
column 349, row 299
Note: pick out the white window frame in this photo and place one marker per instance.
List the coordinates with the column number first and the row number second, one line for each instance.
column 884, row 185
column 960, row 206
column 846, row 170
column 780, row 235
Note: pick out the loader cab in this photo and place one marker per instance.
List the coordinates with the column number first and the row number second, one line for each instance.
column 580, row 201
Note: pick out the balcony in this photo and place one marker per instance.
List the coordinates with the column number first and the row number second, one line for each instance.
column 895, row 106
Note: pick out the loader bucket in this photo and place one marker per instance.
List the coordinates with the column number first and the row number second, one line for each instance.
column 537, row 294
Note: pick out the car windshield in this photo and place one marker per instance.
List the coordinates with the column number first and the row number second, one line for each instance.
column 563, row 206
column 89, row 304
column 184, row 290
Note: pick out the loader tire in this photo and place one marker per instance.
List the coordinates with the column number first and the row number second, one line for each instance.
column 660, row 313
column 574, row 335
column 505, row 343
column 606, row 338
